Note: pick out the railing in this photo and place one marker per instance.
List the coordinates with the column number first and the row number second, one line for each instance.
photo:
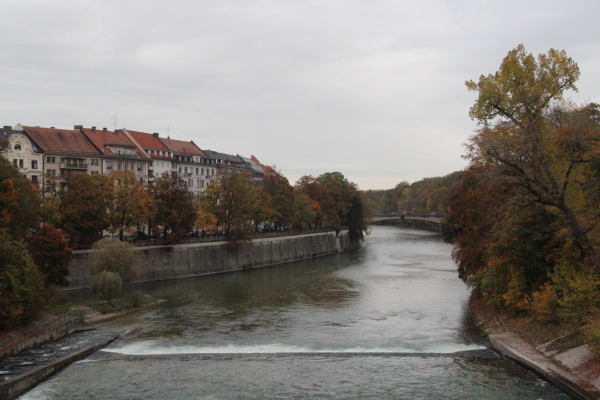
column 73, row 165
column 8, row 344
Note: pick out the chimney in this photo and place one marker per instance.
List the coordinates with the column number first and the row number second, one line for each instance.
column 7, row 128
column 155, row 134
column 103, row 129
column 52, row 127
column 93, row 129
column 78, row 127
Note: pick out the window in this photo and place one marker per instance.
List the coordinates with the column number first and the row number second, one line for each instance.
column 150, row 162
column 196, row 171
column 94, row 172
column 186, row 170
column 34, row 178
column 33, row 165
column 109, row 165
column 51, row 172
column 17, row 146
column 190, row 182
column 21, row 163
column 15, row 161
column 202, row 183
column 179, row 169
column 94, row 161
column 201, row 171
column 139, row 167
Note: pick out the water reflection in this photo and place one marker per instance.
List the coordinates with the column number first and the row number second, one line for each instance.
column 389, row 320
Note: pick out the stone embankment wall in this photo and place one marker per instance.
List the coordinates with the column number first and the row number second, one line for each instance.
column 25, row 339
column 158, row 263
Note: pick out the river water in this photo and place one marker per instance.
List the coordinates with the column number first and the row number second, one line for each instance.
column 387, row 321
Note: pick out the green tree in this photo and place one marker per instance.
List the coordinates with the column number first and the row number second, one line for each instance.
column 108, row 285
column 21, row 284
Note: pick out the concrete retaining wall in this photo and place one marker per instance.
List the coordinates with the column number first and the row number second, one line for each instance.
column 12, row 388
column 158, row 263
column 41, row 334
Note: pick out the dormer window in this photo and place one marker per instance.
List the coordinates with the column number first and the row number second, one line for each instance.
column 17, row 146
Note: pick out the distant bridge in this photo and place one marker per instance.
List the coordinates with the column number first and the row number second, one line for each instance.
column 425, row 217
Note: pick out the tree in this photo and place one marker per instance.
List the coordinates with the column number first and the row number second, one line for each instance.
column 174, row 206
column 19, row 202
column 281, row 195
column 234, row 201
column 115, row 256
column 531, row 148
column 84, row 207
column 21, row 284
column 129, row 201
column 49, row 249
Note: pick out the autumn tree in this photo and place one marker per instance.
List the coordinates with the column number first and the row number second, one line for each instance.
column 532, row 148
column 234, row 201
column 50, row 252
column 281, row 195
column 84, row 205
column 174, row 206
column 19, row 202
column 129, row 202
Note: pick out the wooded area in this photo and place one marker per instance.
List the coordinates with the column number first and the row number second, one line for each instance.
column 524, row 218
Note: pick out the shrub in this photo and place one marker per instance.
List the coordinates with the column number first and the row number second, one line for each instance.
column 592, row 335
column 577, row 293
column 136, row 298
column 545, row 304
column 108, row 285
column 112, row 255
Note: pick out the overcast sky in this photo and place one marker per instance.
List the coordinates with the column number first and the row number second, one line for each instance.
column 373, row 89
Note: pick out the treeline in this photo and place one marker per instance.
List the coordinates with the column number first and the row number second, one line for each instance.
column 38, row 232
column 425, row 196
column 524, row 218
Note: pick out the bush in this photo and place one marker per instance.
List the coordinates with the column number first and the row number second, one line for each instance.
column 112, row 255
column 108, row 285
column 136, row 298
column 577, row 293
column 592, row 335
column 545, row 303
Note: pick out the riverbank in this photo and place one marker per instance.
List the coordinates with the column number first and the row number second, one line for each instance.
column 159, row 263
column 555, row 354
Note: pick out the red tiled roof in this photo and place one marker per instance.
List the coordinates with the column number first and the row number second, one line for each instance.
column 104, row 138
column 181, row 147
column 61, row 140
column 149, row 142
column 265, row 168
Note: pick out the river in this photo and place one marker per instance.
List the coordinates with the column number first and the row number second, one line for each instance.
column 387, row 321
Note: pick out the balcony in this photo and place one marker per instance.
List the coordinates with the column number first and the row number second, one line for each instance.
column 128, row 156
column 69, row 165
